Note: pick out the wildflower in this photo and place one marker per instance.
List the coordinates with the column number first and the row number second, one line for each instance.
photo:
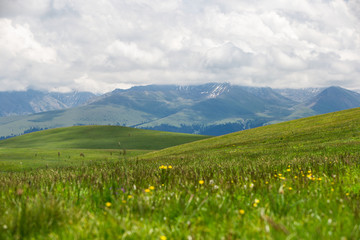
column 256, row 200
column 130, row 196
column 296, row 177
column 319, row 179
column 169, row 167
column 288, row 169
column 242, row 211
column 147, row 190
column 280, row 174
column 255, row 204
column 123, row 201
column 162, row 167
column 151, row 187
column 266, row 182
column 163, row 237
column 290, row 188
column 108, row 204
column 347, row 194
column 332, row 189
column 201, row 182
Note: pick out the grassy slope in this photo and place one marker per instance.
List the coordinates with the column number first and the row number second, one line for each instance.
column 333, row 132
column 99, row 137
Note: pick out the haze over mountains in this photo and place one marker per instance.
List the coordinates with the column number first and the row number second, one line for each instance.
column 210, row 109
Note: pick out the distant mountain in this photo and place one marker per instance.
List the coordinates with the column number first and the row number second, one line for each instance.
column 31, row 101
column 299, row 95
column 334, row 99
column 209, row 109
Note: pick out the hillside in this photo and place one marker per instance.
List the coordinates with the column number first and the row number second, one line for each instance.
column 99, row 137
column 312, row 136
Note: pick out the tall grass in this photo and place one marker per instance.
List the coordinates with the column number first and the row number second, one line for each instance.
column 204, row 199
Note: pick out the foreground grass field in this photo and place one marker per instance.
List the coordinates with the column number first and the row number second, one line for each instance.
column 294, row 180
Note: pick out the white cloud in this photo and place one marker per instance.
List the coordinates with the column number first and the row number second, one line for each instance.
column 18, row 41
column 99, row 45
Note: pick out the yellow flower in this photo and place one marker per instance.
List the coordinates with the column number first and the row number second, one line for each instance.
column 319, row 178
column 108, row 204
column 347, row 194
column 130, row 196
column 163, row 238
column 332, row 189
column 147, row 190
column 290, row 188
column 170, row 167
column 288, row 169
column 151, row 187
column 242, row 211
column 296, row 177
column 280, row 174
column 255, row 204
column 256, row 200
column 123, row 201
column 201, row 182
column 266, row 182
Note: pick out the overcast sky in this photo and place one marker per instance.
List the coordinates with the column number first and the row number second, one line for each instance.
column 100, row 45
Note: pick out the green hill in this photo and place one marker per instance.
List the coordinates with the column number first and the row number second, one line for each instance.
column 318, row 135
column 99, row 137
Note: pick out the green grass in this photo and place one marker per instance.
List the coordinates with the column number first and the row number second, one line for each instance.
column 99, row 137
column 62, row 146
column 294, row 180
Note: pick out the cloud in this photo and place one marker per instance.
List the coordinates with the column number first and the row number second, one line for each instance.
column 99, row 45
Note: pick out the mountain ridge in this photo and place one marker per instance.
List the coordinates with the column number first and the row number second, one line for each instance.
column 209, row 109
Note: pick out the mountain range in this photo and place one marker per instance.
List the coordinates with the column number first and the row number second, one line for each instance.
column 209, row 109
column 31, row 101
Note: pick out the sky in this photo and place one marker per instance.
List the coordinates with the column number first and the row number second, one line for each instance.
column 100, row 45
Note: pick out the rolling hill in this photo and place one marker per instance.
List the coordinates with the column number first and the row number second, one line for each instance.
column 99, row 137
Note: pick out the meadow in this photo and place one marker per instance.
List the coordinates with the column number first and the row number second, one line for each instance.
column 292, row 180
